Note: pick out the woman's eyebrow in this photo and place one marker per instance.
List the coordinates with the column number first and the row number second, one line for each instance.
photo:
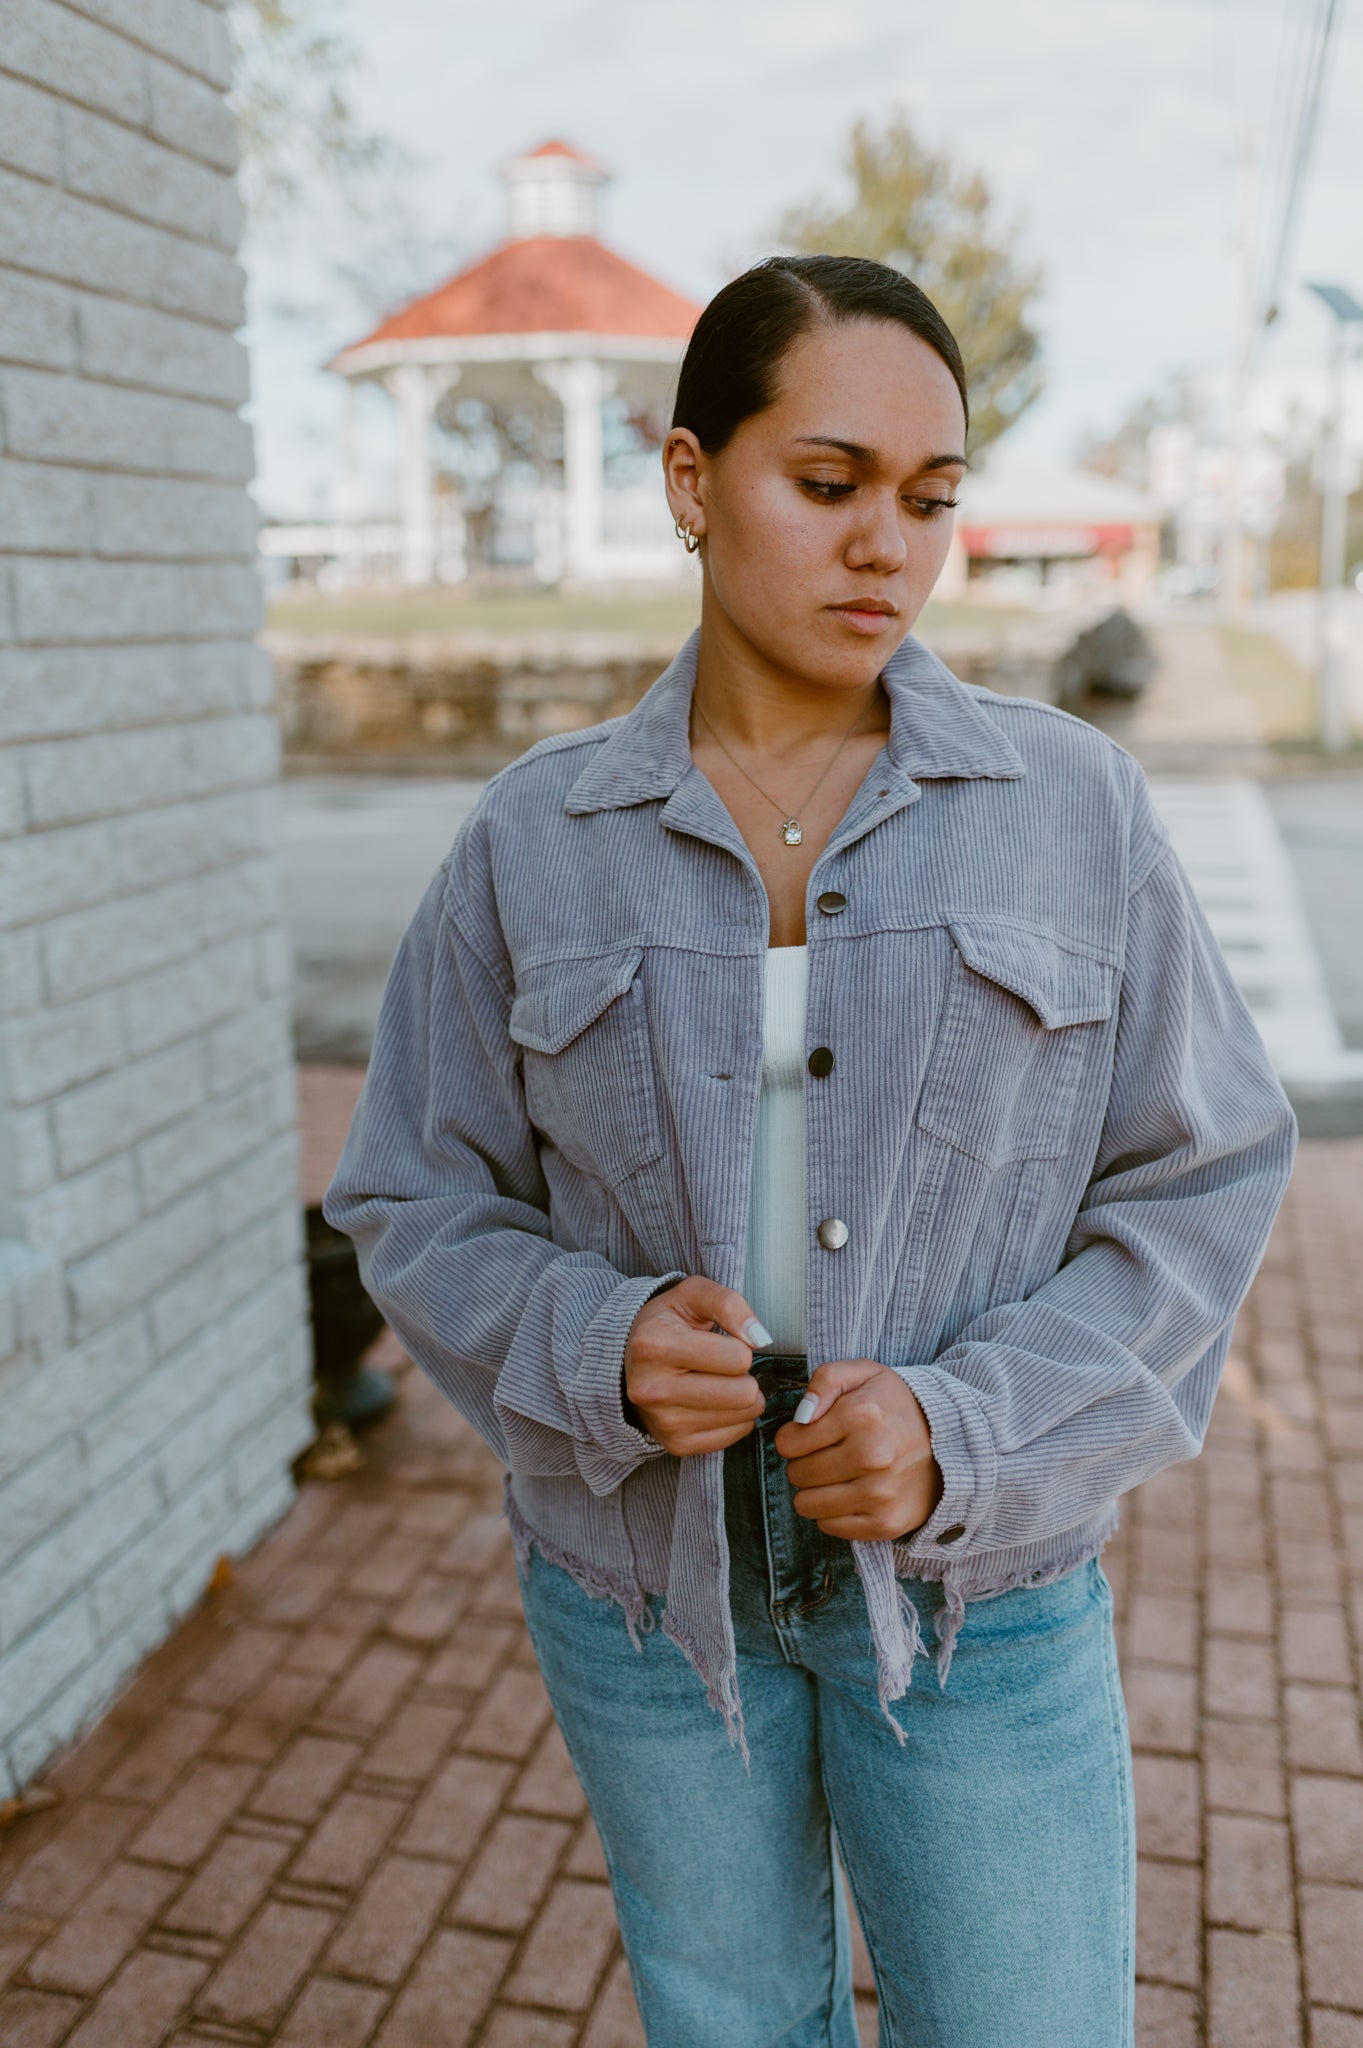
column 868, row 456
column 853, row 449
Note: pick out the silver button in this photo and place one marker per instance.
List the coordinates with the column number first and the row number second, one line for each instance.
column 833, row 1233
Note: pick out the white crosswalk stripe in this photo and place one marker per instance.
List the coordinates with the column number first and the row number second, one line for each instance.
column 1225, row 834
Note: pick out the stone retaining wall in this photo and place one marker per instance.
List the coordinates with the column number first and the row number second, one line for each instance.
column 472, row 702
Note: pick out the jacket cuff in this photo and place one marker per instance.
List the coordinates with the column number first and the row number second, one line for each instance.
column 614, row 1446
column 964, row 1450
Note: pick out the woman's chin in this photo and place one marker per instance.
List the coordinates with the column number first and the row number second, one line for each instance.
column 850, row 652
column 822, row 649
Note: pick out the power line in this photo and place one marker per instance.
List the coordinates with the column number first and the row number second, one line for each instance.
column 1302, row 126
column 1300, row 35
column 1297, row 31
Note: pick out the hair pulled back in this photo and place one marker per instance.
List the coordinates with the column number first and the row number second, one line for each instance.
column 733, row 359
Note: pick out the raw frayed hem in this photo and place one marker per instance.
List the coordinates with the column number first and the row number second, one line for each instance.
column 894, row 1672
column 896, row 1630
column 952, row 1614
column 948, row 1626
column 639, row 1617
column 721, row 1687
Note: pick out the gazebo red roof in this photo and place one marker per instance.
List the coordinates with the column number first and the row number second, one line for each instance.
column 556, row 148
column 545, row 284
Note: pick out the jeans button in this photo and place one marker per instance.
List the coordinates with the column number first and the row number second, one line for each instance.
column 953, row 1534
column 831, row 902
column 821, row 1062
column 832, row 1233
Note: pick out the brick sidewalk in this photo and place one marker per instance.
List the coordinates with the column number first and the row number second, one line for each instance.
column 334, row 1809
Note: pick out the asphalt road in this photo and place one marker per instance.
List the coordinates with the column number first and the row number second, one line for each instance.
column 359, row 851
column 1320, row 818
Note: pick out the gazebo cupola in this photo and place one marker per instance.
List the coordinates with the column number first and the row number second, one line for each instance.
column 553, row 191
column 551, row 321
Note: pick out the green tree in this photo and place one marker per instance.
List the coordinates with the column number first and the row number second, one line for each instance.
column 914, row 208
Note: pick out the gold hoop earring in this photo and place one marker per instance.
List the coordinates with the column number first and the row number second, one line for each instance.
column 689, row 540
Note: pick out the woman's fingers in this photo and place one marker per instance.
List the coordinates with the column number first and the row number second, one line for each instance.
column 701, row 1393
column 857, row 1529
column 850, row 1497
column 700, row 1354
column 677, row 1331
column 705, row 1302
column 687, row 1431
column 687, row 1366
column 714, row 1439
column 839, row 1463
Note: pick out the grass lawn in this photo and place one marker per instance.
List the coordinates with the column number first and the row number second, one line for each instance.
column 1283, row 693
column 439, row 610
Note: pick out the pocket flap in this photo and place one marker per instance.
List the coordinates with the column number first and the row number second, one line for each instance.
column 558, row 998
column 1060, row 985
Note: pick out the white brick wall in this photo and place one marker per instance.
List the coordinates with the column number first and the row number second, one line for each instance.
column 154, row 1358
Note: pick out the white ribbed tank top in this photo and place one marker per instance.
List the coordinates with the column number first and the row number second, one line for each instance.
column 775, row 1271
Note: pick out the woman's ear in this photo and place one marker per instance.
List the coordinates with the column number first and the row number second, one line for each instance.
column 683, row 470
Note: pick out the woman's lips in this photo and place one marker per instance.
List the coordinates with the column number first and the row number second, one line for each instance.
column 861, row 618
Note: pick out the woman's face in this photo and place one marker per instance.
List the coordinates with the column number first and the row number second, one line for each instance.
column 825, row 520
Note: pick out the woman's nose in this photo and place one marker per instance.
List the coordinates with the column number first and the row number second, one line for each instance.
column 878, row 542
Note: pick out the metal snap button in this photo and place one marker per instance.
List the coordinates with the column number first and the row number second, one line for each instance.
column 821, row 1062
column 831, row 902
column 953, row 1534
column 833, row 1233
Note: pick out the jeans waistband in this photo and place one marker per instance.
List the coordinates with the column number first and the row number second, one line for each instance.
column 779, row 1365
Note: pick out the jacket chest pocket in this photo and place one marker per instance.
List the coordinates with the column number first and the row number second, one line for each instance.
column 587, row 1061
column 1023, row 1018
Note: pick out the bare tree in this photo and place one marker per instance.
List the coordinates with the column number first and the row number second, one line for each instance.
column 292, row 96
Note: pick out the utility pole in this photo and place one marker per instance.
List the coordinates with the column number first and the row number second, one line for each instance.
column 1235, row 542
column 1332, row 678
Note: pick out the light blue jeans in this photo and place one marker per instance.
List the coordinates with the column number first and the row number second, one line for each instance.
column 991, row 1857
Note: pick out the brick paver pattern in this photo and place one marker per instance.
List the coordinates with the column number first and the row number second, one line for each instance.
column 334, row 1809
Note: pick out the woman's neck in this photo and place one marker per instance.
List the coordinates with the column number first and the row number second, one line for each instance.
column 768, row 711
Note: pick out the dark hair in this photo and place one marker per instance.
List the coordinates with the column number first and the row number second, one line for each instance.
column 730, row 368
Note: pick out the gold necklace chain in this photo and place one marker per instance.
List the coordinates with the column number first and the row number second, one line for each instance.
column 792, row 831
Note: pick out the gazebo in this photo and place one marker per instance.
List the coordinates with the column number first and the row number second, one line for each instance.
column 551, row 322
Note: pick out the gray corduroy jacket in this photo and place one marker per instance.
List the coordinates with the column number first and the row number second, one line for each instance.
column 1051, row 1130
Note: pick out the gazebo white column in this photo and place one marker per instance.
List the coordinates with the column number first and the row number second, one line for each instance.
column 581, row 385
column 348, row 501
column 418, row 389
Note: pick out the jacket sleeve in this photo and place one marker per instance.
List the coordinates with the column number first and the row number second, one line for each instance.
column 440, row 1186
column 1042, row 1410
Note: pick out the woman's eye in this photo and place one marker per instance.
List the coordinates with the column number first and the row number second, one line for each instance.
column 928, row 508
column 826, row 493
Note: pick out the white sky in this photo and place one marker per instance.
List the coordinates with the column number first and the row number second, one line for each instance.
column 1109, row 131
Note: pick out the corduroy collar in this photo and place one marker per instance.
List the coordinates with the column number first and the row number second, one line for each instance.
column 936, row 730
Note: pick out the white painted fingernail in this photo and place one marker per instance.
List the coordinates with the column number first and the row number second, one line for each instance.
column 757, row 1335
column 808, row 1408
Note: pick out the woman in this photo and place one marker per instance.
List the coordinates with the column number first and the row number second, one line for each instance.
column 824, row 1012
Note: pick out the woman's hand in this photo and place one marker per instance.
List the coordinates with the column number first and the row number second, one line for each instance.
column 689, row 1381
column 863, row 1467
